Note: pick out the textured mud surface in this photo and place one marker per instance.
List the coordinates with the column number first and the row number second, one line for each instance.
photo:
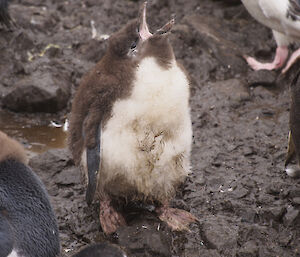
column 246, row 204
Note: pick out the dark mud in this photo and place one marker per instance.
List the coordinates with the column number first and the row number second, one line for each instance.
column 246, row 204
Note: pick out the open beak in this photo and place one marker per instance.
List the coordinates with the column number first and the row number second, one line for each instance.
column 166, row 28
column 144, row 31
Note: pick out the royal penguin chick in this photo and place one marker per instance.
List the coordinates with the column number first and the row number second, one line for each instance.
column 109, row 81
column 28, row 226
column 145, row 133
column 101, row 250
column 294, row 134
column 4, row 14
column 283, row 17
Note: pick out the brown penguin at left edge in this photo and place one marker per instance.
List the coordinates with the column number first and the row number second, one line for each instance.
column 130, row 126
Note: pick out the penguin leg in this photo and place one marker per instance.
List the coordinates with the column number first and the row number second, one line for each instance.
column 177, row 219
column 290, row 151
column 110, row 219
column 279, row 60
column 294, row 57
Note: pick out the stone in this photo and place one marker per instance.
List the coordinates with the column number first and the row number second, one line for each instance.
column 51, row 162
column 291, row 216
column 296, row 200
column 68, row 177
column 38, row 93
column 233, row 91
column 219, row 234
column 142, row 238
column 214, row 40
column 261, row 78
column 249, row 249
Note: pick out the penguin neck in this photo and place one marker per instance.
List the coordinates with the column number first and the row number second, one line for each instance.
column 161, row 50
column 118, row 66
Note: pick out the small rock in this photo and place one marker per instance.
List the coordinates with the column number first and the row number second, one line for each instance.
column 249, row 215
column 291, row 216
column 233, row 90
column 249, row 151
column 68, row 194
column 220, row 235
column 51, row 162
column 261, row 78
column 249, row 249
column 239, row 192
column 296, row 200
column 68, row 177
column 272, row 213
column 294, row 192
column 144, row 239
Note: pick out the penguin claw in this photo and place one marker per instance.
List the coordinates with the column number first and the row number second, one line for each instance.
column 176, row 219
column 110, row 219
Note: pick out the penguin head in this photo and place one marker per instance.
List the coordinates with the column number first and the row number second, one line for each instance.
column 124, row 43
column 155, row 45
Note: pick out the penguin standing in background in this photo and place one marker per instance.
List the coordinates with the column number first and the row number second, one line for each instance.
column 27, row 223
column 294, row 135
column 130, row 126
column 4, row 14
column 283, row 17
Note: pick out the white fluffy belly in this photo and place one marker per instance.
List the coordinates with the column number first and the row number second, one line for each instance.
column 147, row 141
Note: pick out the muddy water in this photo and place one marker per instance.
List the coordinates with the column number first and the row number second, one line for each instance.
column 37, row 136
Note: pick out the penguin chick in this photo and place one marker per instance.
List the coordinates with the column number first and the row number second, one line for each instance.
column 101, row 250
column 4, row 14
column 27, row 223
column 141, row 122
column 294, row 135
column 109, row 80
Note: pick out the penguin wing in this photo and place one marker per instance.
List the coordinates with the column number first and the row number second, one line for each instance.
column 93, row 165
column 92, row 103
column 92, row 137
column 4, row 14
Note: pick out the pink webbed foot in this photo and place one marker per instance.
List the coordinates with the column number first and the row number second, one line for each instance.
column 294, row 57
column 279, row 60
column 110, row 219
column 177, row 219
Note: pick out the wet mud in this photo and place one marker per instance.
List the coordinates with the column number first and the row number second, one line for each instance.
column 245, row 202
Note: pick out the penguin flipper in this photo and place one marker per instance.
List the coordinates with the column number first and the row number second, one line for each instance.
column 6, row 236
column 93, row 165
column 4, row 14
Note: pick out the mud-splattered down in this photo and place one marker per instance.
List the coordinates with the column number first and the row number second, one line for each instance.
column 246, row 204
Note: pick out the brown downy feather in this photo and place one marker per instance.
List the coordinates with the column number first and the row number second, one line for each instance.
column 153, row 48
column 11, row 149
column 109, row 80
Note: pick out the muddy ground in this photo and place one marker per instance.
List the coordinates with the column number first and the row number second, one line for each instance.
column 246, row 204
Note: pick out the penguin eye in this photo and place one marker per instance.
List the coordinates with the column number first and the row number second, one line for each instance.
column 133, row 45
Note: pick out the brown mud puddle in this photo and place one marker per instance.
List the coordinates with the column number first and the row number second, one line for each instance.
column 36, row 135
